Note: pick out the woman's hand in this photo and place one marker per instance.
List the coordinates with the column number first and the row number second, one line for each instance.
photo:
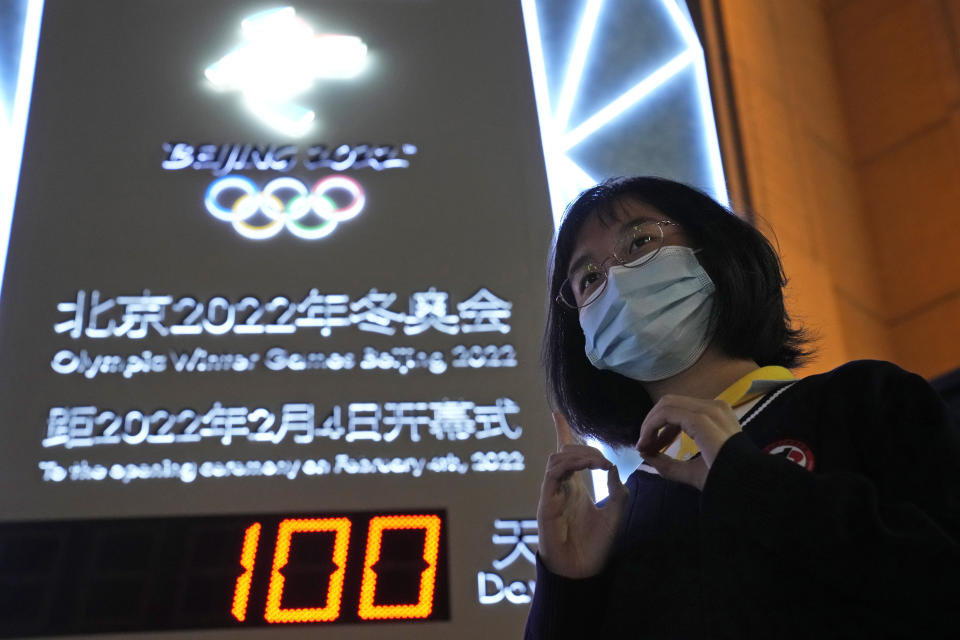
column 708, row 422
column 576, row 535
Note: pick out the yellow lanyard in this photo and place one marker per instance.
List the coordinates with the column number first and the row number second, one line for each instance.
column 751, row 386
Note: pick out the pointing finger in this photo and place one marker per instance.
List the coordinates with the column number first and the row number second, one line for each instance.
column 564, row 432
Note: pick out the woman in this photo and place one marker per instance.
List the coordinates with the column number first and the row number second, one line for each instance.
column 765, row 506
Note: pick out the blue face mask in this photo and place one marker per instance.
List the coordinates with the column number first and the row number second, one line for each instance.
column 651, row 322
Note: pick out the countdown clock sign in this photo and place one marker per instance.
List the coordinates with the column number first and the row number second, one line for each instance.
column 270, row 346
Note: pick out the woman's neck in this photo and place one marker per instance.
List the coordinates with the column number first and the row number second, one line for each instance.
column 707, row 378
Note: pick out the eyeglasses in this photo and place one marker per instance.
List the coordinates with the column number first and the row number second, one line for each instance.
column 636, row 245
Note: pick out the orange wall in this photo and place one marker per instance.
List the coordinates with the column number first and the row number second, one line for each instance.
column 900, row 64
column 850, row 129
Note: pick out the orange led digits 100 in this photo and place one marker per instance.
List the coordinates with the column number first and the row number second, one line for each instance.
column 225, row 572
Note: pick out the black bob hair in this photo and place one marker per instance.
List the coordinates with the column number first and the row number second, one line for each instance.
column 749, row 319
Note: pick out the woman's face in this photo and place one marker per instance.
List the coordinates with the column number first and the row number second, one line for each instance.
column 598, row 240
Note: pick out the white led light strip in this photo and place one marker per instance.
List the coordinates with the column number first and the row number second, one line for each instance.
column 13, row 126
column 566, row 178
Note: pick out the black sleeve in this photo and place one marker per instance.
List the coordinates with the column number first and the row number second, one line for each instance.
column 563, row 607
column 885, row 536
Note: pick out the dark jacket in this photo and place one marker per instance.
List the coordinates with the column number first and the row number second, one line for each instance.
column 850, row 530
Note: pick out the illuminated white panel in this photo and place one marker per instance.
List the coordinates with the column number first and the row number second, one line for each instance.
column 711, row 145
column 13, row 126
column 566, row 177
column 5, row 126
column 548, row 136
column 631, row 97
column 581, row 47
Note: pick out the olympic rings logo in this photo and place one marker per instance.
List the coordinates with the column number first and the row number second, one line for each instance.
column 300, row 201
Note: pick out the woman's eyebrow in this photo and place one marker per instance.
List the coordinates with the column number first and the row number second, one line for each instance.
column 637, row 220
column 579, row 262
column 586, row 257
